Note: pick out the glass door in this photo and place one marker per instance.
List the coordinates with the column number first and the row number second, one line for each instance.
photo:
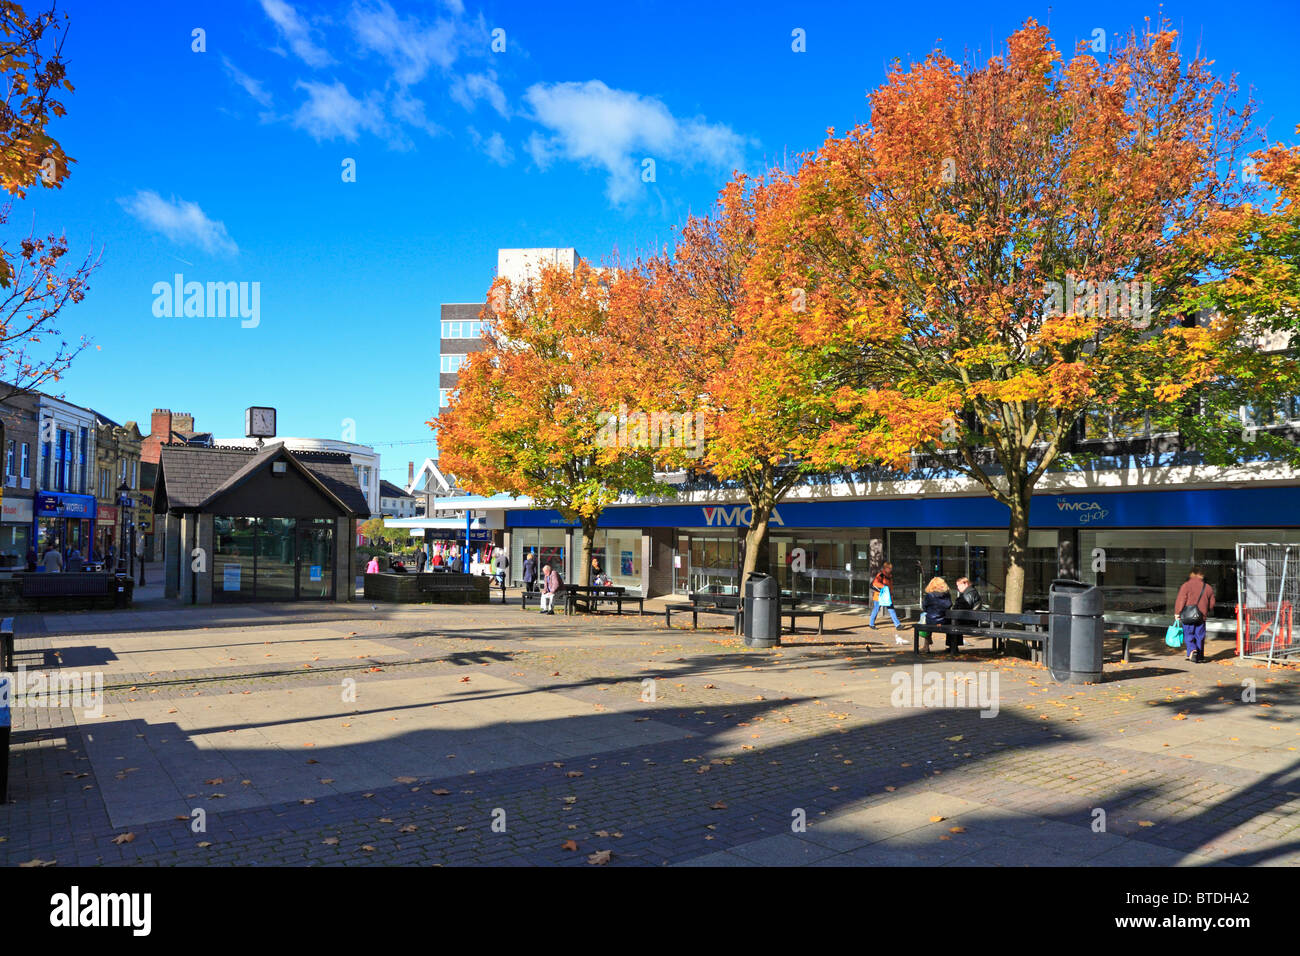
column 713, row 564
column 276, row 566
column 315, row 559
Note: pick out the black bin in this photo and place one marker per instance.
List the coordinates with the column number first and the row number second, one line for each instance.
column 1075, row 626
column 121, row 590
column 762, row 611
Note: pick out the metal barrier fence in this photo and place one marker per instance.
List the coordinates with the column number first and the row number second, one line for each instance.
column 1268, row 589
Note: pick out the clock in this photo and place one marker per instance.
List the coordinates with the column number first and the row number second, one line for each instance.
column 259, row 422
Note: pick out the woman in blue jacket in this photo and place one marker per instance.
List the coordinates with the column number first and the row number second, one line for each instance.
column 935, row 605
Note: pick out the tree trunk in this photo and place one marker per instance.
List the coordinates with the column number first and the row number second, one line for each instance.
column 755, row 544
column 1017, row 552
column 588, row 542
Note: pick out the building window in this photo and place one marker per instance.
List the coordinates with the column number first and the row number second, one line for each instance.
column 27, row 460
column 450, row 364
column 135, row 476
column 462, row 330
column 9, row 458
column 83, row 463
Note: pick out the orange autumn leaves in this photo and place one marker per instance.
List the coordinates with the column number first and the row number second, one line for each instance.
column 889, row 294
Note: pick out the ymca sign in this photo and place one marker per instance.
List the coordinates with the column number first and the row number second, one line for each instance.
column 737, row 516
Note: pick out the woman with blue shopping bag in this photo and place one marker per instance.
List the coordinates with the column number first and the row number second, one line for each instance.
column 1192, row 606
column 882, row 588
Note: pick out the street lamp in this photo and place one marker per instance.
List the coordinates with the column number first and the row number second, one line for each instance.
column 123, row 503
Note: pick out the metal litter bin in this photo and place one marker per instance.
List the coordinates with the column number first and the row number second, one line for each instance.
column 1075, row 626
column 762, row 611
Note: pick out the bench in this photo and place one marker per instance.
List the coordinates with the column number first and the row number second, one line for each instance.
column 793, row 614
column 617, row 595
column 1124, row 638
column 1030, row 628
column 595, row 594
column 725, row 604
column 57, row 588
column 7, row 644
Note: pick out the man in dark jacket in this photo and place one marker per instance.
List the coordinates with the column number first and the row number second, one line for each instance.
column 968, row 599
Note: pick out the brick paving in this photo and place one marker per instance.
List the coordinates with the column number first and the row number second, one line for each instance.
column 484, row 735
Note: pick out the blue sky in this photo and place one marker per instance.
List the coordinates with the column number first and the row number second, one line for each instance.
column 226, row 165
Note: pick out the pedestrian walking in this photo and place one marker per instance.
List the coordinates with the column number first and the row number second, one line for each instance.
column 500, row 564
column 373, row 566
column 53, row 561
column 420, row 558
column 882, row 595
column 530, row 571
column 1192, row 606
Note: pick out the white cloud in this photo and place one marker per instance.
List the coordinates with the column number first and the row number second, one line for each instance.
column 410, row 110
column 331, row 112
column 180, row 221
column 296, row 32
column 494, row 146
column 250, row 86
column 409, row 48
column 615, row 130
column 465, row 90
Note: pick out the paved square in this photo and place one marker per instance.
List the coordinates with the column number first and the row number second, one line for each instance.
column 483, row 735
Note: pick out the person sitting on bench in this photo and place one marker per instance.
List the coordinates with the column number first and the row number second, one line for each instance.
column 551, row 585
column 968, row 599
column 935, row 604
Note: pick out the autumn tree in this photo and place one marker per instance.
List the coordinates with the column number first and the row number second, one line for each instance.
column 712, row 337
column 1255, row 279
column 989, row 242
column 34, row 284
column 529, row 411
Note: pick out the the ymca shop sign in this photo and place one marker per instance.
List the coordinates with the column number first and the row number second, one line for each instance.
column 737, row 516
column 1086, row 511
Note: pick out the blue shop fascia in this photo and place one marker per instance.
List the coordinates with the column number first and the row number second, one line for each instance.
column 64, row 521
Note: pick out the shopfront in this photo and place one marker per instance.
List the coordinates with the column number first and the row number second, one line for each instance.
column 272, row 559
column 1137, row 545
column 15, row 532
column 545, row 545
column 64, row 522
